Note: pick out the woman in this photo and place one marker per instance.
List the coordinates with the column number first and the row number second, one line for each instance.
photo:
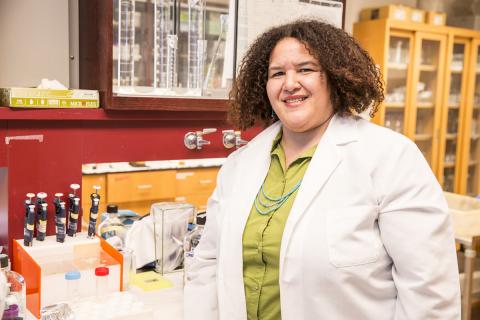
column 323, row 215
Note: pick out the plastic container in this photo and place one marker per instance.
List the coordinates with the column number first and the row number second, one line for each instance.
column 101, row 281
column 128, row 267
column 73, row 285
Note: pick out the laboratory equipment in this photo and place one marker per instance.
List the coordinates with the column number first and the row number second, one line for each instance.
column 216, row 50
column 112, row 229
column 74, row 209
column 16, row 296
column 126, row 42
column 29, row 225
column 56, row 312
column 129, row 267
column 163, row 29
column 191, row 241
column 41, row 216
column 73, row 284
column 170, row 225
column 60, row 217
column 95, row 197
column 172, row 43
column 196, row 44
column 101, row 281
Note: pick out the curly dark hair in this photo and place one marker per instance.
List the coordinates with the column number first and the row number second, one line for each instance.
column 354, row 80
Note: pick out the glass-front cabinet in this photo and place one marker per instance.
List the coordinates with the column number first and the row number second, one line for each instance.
column 173, row 48
column 432, row 93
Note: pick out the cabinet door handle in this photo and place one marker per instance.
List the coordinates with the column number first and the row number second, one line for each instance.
column 205, row 181
column 144, row 186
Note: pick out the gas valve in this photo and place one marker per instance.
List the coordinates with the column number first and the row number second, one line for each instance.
column 194, row 140
column 232, row 139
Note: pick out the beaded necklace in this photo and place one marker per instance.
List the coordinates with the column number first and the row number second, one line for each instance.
column 276, row 202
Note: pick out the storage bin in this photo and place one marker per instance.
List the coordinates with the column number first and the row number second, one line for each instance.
column 396, row 12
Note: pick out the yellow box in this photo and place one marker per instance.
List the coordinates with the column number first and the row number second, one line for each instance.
column 395, row 12
column 417, row 15
column 436, row 18
column 17, row 97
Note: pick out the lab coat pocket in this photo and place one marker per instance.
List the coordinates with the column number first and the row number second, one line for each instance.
column 352, row 235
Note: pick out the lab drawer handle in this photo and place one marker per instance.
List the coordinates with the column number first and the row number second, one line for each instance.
column 144, row 186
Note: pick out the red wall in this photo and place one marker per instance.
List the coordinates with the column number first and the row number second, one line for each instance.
column 52, row 165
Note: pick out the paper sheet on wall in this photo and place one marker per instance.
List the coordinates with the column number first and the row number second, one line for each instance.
column 256, row 16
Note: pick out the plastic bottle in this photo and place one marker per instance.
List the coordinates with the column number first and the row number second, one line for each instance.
column 101, row 282
column 73, row 285
column 191, row 241
column 112, row 229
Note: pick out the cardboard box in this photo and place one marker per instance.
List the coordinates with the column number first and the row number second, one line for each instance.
column 417, row 15
column 44, row 265
column 395, row 12
column 48, row 98
column 436, row 18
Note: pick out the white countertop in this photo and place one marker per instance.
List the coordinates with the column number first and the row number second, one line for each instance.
column 166, row 304
column 112, row 167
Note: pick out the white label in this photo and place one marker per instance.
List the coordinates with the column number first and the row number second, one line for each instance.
column 184, row 175
column 400, row 14
column 417, row 16
column 437, row 20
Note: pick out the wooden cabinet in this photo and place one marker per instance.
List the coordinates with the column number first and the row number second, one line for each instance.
column 429, row 91
column 196, row 185
column 137, row 191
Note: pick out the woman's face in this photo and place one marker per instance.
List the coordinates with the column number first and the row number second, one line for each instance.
column 297, row 87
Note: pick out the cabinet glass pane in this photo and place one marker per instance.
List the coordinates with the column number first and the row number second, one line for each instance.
column 426, row 94
column 454, row 102
column 397, row 71
column 172, row 48
column 473, row 181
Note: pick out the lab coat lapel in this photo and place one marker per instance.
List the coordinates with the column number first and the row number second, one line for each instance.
column 249, row 175
column 323, row 164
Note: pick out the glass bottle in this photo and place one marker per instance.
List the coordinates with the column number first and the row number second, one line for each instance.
column 112, row 229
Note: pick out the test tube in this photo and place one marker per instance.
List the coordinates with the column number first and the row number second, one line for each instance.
column 126, row 42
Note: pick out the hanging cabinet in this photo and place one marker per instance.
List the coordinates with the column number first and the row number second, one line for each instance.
column 429, row 92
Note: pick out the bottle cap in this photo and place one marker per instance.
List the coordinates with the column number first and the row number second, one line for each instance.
column 72, row 275
column 3, row 260
column 11, row 312
column 101, row 271
column 201, row 218
column 112, row 208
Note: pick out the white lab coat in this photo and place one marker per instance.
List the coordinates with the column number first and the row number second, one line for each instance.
column 368, row 237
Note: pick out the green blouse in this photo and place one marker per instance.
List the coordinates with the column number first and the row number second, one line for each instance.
column 263, row 234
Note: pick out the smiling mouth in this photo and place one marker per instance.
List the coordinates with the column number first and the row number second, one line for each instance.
column 294, row 101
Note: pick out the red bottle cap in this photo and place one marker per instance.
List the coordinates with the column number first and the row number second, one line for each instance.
column 101, row 271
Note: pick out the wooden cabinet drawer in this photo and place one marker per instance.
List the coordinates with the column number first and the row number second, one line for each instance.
column 193, row 181
column 138, row 186
column 199, row 200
